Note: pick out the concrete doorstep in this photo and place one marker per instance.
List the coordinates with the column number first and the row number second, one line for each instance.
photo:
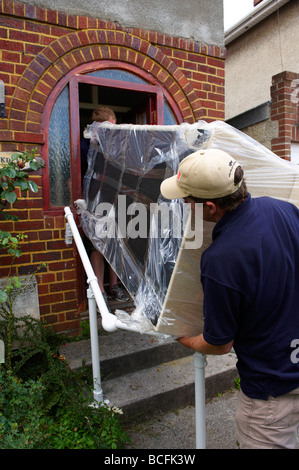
column 146, row 377
column 166, row 387
column 137, row 368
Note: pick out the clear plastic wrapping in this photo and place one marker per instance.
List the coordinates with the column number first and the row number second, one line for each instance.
column 123, row 212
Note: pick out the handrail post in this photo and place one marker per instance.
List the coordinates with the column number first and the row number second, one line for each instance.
column 94, row 342
column 200, row 405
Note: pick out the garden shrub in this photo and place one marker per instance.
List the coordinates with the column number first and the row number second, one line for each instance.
column 43, row 403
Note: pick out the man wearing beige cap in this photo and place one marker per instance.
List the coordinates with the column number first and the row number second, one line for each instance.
column 250, row 280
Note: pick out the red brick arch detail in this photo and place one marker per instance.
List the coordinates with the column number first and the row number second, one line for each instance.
column 87, row 46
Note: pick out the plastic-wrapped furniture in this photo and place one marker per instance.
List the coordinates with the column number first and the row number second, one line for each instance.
column 141, row 234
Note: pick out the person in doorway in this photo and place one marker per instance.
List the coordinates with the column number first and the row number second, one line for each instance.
column 250, row 279
column 101, row 114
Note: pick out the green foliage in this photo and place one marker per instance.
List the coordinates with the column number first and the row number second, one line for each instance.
column 86, row 428
column 238, row 383
column 11, row 243
column 46, row 405
column 85, row 329
column 43, row 403
column 21, row 417
column 11, row 327
column 14, row 175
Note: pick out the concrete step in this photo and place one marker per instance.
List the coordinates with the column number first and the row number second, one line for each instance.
column 123, row 352
column 167, row 386
column 144, row 376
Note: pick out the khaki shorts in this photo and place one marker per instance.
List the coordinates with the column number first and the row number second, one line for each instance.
column 268, row 424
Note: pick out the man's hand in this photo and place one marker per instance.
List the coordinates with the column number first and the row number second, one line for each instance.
column 198, row 344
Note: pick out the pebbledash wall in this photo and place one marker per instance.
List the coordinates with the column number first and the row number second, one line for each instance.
column 39, row 47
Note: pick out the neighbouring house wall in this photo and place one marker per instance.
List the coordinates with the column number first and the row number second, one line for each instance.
column 39, row 47
column 261, row 90
column 263, row 132
column 275, row 124
column 269, row 48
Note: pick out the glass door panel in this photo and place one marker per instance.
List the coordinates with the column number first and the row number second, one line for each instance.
column 59, row 151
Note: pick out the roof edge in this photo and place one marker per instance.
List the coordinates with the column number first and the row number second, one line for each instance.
column 256, row 16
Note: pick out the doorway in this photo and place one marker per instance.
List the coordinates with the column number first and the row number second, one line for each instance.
column 129, row 106
column 135, row 98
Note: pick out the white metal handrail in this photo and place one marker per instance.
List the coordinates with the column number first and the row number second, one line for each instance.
column 111, row 323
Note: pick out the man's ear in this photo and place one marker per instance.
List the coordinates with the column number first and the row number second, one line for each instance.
column 211, row 206
column 215, row 213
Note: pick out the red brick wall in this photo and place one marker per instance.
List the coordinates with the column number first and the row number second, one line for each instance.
column 284, row 110
column 38, row 48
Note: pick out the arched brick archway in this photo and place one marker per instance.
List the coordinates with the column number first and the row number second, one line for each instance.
column 67, row 53
column 44, row 49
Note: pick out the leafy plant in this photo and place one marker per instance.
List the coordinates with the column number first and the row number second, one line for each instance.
column 11, row 326
column 14, row 176
column 21, row 416
column 43, row 403
column 11, row 243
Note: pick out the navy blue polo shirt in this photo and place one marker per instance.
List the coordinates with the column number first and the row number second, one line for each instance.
column 250, row 278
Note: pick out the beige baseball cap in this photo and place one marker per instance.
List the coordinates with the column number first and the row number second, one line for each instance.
column 206, row 174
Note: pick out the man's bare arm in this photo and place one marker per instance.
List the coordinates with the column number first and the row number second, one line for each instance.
column 198, row 344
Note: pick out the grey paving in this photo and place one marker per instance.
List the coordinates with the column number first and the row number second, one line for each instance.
column 177, row 430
